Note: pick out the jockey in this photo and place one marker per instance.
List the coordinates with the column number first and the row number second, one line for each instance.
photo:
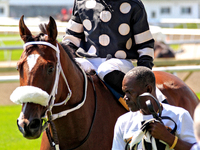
column 107, row 34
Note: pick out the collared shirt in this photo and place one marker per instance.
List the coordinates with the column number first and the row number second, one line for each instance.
column 130, row 123
column 196, row 146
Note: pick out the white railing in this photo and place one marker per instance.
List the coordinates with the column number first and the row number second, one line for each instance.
column 165, row 69
column 177, row 68
column 9, row 78
column 168, row 65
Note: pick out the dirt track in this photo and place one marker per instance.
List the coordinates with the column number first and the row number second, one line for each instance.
column 5, row 92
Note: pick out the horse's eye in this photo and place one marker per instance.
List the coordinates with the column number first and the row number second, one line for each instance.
column 50, row 70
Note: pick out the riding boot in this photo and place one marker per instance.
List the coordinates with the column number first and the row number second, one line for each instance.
column 114, row 79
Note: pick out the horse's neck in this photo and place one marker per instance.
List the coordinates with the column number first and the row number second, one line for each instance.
column 73, row 75
column 76, row 82
column 73, row 128
column 75, row 124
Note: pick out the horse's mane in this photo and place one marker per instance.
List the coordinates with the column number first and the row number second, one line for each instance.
column 39, row 37
column 67, row 48
column 69, row 51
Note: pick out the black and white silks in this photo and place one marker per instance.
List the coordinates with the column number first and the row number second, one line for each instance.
column 115, row 27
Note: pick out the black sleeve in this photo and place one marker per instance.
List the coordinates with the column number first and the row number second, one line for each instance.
column 74, row 47
column 146, row 61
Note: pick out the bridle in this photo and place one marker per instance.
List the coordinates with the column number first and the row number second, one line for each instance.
column 53, row 93
column 49, row 117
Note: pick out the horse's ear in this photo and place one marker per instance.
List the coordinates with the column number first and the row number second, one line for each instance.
column 23, row 30
column 51, row 29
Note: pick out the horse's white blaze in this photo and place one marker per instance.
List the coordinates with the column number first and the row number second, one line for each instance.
column 31, row 60
column 21, row 120
column 24, row 108
column 24, row 94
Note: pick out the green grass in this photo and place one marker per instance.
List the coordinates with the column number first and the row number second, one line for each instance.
column 10, row 40
column 175, row 47
column 188, row 25
column 9, row 35
column 10, row 55
column 10, row 136
column 198, row 94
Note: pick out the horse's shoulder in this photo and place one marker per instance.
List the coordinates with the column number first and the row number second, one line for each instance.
column 168, row 79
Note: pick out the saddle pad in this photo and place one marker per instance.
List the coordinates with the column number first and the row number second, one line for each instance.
column 118, row 96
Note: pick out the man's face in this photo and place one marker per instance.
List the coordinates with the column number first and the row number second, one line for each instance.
column 132, row 90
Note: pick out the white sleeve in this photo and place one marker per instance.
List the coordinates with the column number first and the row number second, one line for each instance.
column 185, row 130
column 118, row 142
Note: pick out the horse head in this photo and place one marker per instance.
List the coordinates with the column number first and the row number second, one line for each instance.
column 40, row 70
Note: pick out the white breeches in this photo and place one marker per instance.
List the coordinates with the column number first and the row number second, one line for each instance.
column 103, row 67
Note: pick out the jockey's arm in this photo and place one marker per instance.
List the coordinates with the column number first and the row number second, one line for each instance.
column 143, row 39
column 74, row 30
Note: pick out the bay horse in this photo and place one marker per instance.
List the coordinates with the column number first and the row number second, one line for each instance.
column 75, row 110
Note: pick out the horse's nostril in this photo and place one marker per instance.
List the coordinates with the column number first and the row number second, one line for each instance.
column 21, row 129
column 34, row 124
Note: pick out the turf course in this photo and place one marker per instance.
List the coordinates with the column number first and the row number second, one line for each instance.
column 10, row 136
column 10, row 40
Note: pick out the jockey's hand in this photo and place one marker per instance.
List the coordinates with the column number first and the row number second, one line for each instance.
column 159, row 131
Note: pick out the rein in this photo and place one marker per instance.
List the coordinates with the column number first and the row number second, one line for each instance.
column 49, row 117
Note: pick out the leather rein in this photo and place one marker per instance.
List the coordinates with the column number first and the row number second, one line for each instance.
column 49, row 117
